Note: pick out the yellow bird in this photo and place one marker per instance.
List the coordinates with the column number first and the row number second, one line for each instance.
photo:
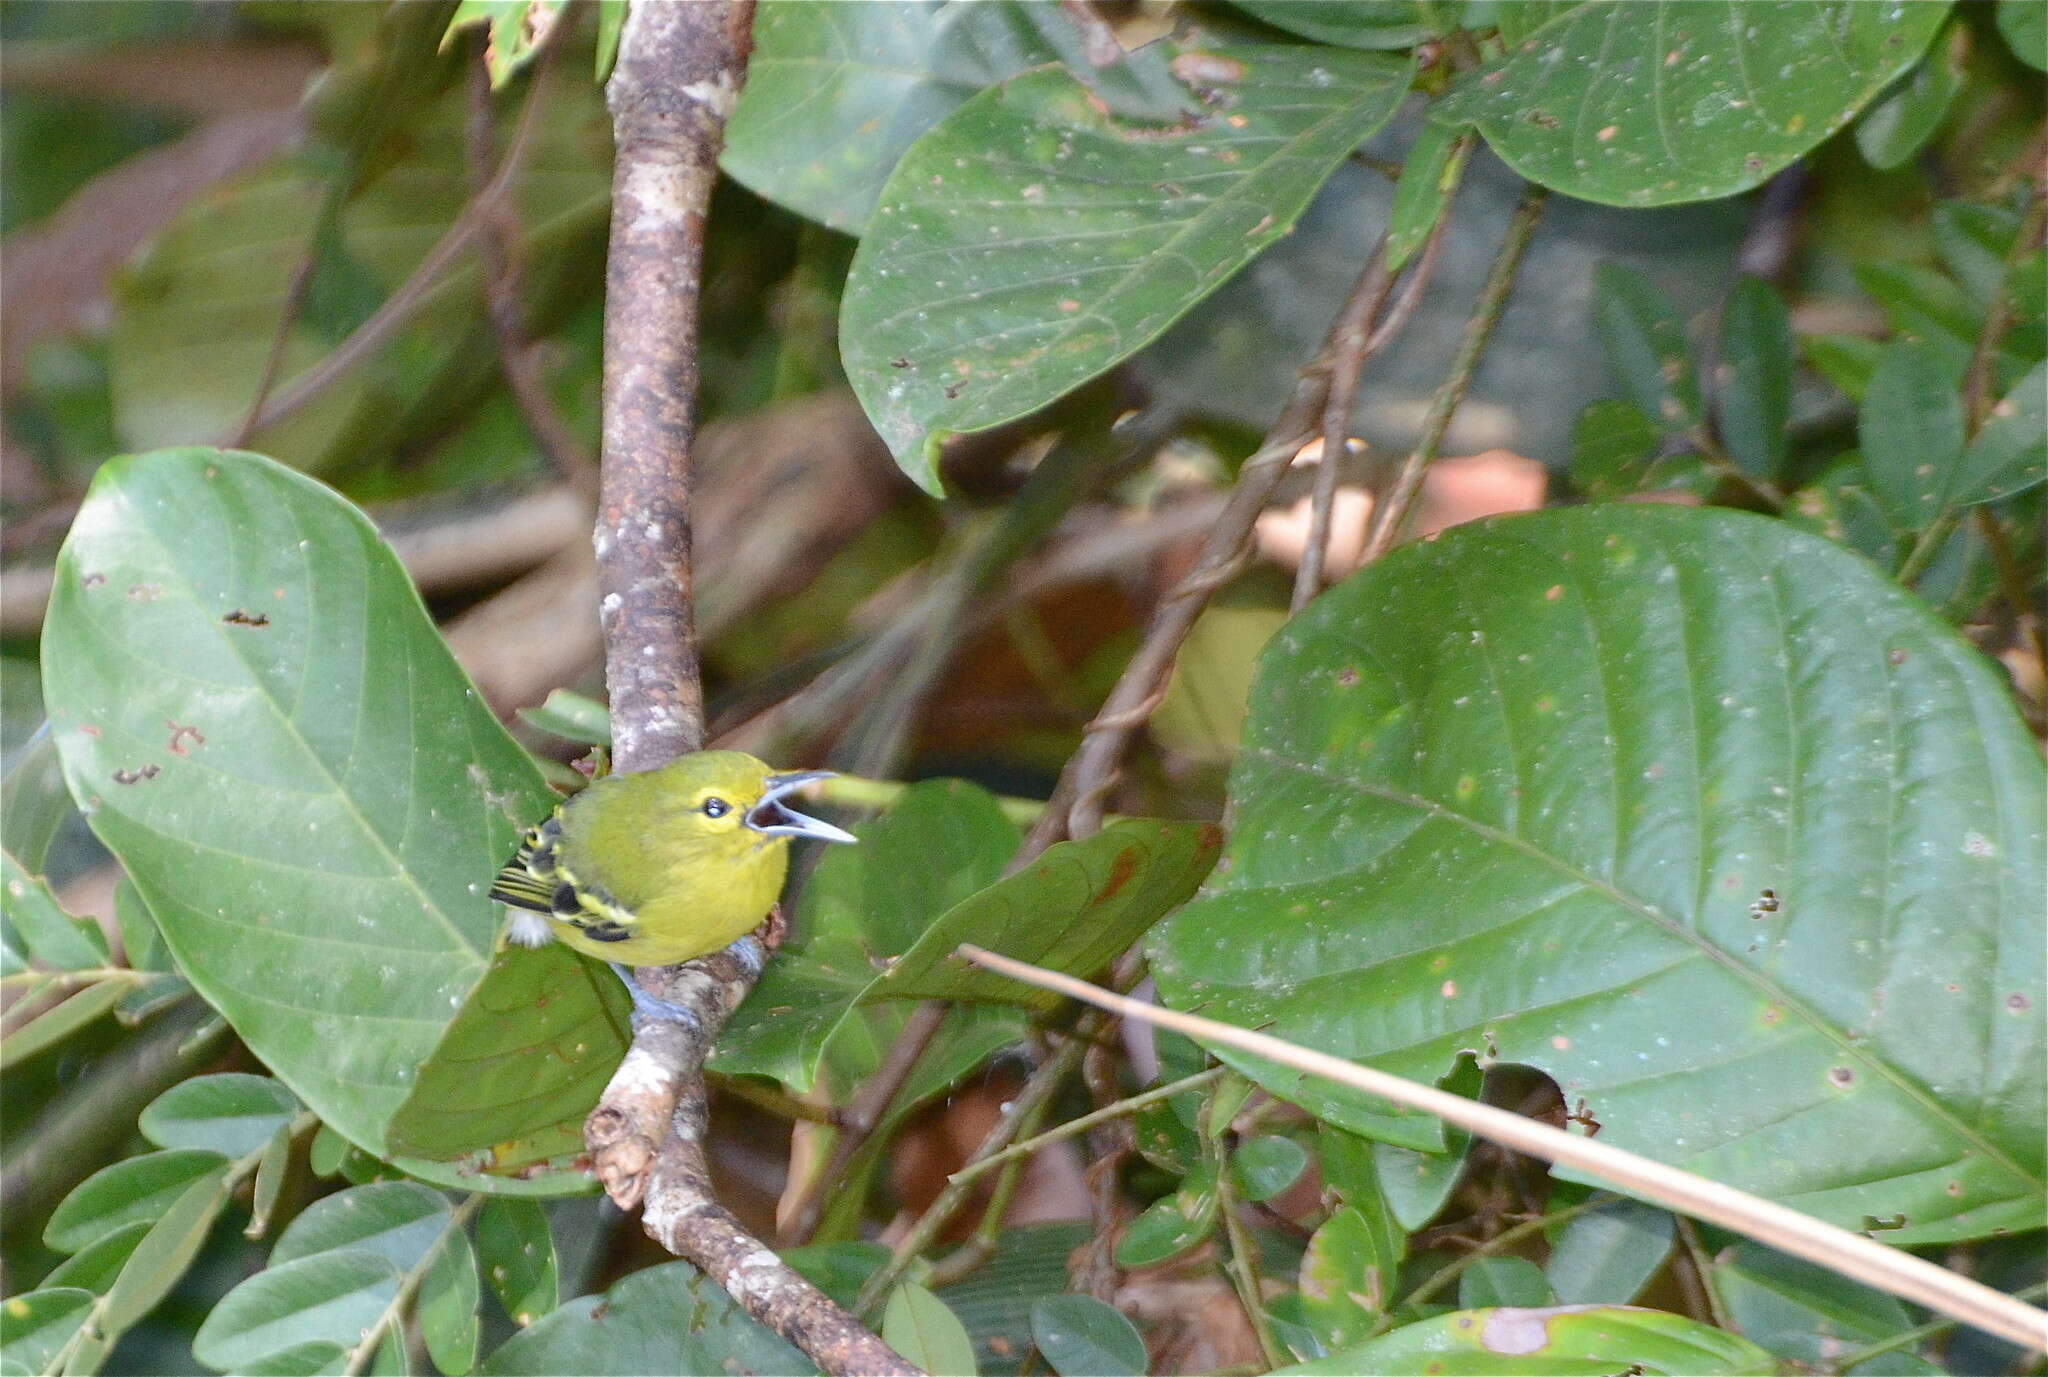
column 659, row 866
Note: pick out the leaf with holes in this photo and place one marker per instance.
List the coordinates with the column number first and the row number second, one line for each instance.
column 1032, row 239
column 1650, row 104
column 268, row 731
column 1699, row 815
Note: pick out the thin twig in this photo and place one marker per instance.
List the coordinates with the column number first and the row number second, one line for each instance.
column 1120, row 1109
column 287, row 317
column 1847, row 1254
column 988, row 1232
column 502, row 250
column 1389, row 511
column 1982, row 372
column 1241, row 1264
column 1092, row 770
column 1703, row 1272
column 676, row 80
column 1348, row 362
column 870, row 1106
column 1909, row 1338
column 1037, row 1092
column 399, row 308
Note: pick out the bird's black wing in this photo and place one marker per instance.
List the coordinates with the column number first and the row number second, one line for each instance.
column 530, row 878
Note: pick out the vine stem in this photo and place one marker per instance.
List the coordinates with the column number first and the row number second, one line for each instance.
column 1493, row 299
column 1847, row 1254
column 1073, row 1127
column 1241, row 1263
column 1906, row 1338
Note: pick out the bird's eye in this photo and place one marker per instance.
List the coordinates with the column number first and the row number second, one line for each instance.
column 716, row 807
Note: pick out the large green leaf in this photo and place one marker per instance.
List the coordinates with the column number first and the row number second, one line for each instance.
column 1352, row 23
column 1641, row 104
column 521, row 1063
column 1074, row 909
column 836, row 92
column 1594, row 1340
column 1698, row 814
column 325, row 1298
column 670, row 1318
column 267, row 730
column 1031, row 239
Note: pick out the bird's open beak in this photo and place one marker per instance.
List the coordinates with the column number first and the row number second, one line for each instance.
column 771, row 817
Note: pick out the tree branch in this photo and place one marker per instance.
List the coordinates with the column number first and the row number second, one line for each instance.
column 678, row 75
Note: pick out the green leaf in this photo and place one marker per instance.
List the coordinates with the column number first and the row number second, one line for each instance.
column 1416, row 1184
column 1905, row 117
column 1911, row 428
column 325, row 1153
column 1645, row 342
column 1754, row 385
column 74, row 1014
column 517, row 1251
column 2025, row 27
column 1847, row 361
column 447, row 1305
column 1806, row 1313
column 1351, row 23
column 995, row 1301
column 350, row 798
column 1074, row 909
column 1632, row 105
column 138, row 1188
column 1617, row 451
column 1429, row 178
column 1029, row 241
column 835, row 92
column 53, row 936
column 1503, row 1281
column 1267, row 1165
column 1608, row 1255
column 1593, row 1340
column 319, row 1358
column 572, row 717
column 231, row 1113
column 271, row 1170
column 326, row 1298
column 521, row 1063
column 163, row 1255
column 141, row 942
column 1174, row 1223
column 1164, row 1133
column 1348, row 1272
column 95, row 1266
column 940, row 843
column 611, row 22
column 1925, row 305
column 397, row 1220
column 35, row 1326
column 669, row 1318
column 1079, row 1336
column 2010, row 454
column 1538, row 824
column 918, row 1325
column 517, row 28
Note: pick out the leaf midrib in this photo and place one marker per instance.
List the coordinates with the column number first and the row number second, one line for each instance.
column 1678, row 931
column 290, row 726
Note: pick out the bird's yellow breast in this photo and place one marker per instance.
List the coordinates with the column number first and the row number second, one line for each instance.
column 709, row 898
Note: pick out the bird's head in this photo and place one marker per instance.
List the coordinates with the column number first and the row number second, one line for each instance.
column 730, row 797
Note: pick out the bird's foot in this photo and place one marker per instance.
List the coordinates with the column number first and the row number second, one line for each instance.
column 649, row 1008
